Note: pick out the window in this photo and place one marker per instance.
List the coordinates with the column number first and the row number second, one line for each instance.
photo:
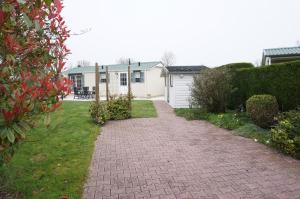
column 102, row 77
column 123, row 79
column 137, row 76
column 79, row 81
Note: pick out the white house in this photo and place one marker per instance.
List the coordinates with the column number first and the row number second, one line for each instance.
column 146, row 80
column 179, row 81
column 278, row 55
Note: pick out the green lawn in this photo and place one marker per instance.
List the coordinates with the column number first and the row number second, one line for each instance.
column 239, row 123
column 143, row 109
column 54, row 162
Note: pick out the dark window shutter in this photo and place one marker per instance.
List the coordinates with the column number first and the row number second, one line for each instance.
column 142, row 76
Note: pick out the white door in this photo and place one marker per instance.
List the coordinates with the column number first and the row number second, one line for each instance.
column 123, row 84
column 182, row 86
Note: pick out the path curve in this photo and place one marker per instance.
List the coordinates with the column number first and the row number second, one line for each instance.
column 169, row 157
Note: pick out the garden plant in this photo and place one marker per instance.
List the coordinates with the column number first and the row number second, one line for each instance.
column 32, row 54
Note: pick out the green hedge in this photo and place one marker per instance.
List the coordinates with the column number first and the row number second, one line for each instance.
column 236, row 66
column 280, row 80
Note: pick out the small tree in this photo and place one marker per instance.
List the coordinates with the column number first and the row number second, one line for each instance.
column 83, row 63
column 211, row 89
column 32, row 53
column 168, row 58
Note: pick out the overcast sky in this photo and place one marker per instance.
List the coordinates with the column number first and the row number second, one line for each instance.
column 209, row 32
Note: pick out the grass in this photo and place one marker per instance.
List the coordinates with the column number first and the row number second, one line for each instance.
column 143, row 109
column 239, row 123
column 54, row 162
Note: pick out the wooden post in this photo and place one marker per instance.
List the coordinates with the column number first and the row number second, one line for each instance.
column 129, row 84
column 107, row 81
column 97, row 82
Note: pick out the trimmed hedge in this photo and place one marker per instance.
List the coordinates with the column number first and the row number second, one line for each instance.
column 262, row 109
column 280, row 80
column 236, row 66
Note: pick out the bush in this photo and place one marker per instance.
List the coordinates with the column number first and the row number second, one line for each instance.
column 262, row 109
column 119, row 108
column 211, row 89
column 280, row 80
column 99, row 112
column 32, row 57
column 286, row 135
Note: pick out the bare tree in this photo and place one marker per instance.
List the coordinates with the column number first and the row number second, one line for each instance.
column 123, row 60
column 168, row 58
column 83, row 63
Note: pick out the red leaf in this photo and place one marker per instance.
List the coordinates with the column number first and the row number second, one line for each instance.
column 58, row 5
column 8, row 115
column 11, row 43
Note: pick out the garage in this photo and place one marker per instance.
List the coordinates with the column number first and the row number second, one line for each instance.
column 179, row 81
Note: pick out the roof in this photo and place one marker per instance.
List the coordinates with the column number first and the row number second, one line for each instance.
column 282, row 51
column 115, row 67
column 185, row 69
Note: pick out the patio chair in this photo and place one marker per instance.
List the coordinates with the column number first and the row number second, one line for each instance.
column 86, row 92
column 77, row 93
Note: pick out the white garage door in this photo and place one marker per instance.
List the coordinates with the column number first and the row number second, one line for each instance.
column 182, row 88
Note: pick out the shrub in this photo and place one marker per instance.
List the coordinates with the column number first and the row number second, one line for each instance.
column 280, row 80
column 262, row 109
column 32, row 56
column 119, row 108
column 286, row 135
column 211, row 89
column 99, row 112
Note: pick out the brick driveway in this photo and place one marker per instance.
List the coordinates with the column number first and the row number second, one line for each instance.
column 169, row 157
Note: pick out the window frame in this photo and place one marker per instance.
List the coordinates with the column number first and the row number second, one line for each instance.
column 102, row 80
column 123, row 80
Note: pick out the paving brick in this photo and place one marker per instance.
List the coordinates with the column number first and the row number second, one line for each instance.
column 169, row 157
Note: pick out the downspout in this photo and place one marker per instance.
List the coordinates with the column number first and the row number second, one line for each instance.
column 168, row 87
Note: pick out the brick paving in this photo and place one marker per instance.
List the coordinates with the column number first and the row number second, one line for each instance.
column 169, row 157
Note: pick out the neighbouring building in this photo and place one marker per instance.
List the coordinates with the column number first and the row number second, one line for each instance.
column 178, row 84
column 146, row 80
column 278, row 55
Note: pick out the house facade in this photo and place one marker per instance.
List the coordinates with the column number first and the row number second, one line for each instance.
column 146, row 80
column 278, row 55
column 178, row 84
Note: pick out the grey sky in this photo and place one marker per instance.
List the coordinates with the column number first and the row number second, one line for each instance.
column 210, row 32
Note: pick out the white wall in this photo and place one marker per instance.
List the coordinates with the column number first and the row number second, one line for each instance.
column 152, row 86
column 154, row 82
column 180, row 92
